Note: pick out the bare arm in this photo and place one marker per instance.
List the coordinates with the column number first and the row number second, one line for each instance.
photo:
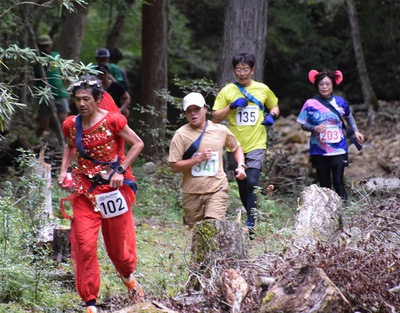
column 134, row 141
column 117, row 180
column 219, row 115
column 239, row 158
column 275, row 110
column 126, row 100
column 68, row 155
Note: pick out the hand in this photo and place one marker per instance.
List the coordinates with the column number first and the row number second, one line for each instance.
column 359, row 137
column 239, row 103
column 320, row 128
column 269, row 120
column 241, row 173
column 205, row 155
column 65, row 180
column 117, row 180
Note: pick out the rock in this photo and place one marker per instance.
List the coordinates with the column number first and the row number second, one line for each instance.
column 150, row 167
column 146, row 307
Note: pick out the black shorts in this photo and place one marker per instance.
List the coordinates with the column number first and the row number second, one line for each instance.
column 325, row 162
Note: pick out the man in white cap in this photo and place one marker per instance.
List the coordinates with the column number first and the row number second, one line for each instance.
column 196, row 150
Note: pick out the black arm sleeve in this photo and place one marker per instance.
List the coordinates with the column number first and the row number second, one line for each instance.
column 352, row 122
column 307, row 127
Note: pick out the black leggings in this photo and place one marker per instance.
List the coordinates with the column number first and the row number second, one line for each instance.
column 247, row 195
column 324, row 177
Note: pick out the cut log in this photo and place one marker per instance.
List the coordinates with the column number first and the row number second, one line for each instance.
column 234, row 288
column 304, row 290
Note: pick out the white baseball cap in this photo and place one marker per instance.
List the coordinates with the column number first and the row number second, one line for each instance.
column 193, row 98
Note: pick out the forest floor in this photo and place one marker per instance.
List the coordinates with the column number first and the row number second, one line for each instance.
column 164, row 243
column 379, row 158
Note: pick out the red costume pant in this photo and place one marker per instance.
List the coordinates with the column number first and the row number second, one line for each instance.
column 119, row 238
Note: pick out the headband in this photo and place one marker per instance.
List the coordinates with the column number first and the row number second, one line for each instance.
column 313, row 73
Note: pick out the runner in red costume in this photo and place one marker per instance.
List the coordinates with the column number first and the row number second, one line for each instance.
column 104, row 190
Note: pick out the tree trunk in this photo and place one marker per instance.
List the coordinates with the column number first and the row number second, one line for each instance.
column 72, row 31
column 115, row 31
column 119, row 22
column 153, row 76
column 367, row 91
column 245, row 30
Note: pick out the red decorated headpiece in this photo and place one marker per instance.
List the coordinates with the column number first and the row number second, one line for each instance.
column 313, row 73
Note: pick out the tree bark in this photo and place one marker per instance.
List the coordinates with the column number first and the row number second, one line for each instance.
column 245, row 30
column 366, row 88
column 216, row 245
column 119, row 22
column 72, row 30
column 154, row 76
column 305, row 289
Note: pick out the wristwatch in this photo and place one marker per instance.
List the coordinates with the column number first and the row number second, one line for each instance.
column 120, row 169
column 243, row 164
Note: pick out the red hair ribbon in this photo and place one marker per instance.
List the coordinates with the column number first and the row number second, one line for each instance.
column 313, row 73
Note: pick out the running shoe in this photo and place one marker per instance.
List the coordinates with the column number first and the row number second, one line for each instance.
column 91, row 309
column 135, row 291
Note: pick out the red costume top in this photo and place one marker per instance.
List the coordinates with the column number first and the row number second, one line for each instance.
column 102, row 143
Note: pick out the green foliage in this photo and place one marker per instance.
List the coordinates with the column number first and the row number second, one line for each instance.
column 157, row 198
column 161, row 136
column 23, row 56
column 25, row 266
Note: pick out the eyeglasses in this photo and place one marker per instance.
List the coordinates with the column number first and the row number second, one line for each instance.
column 325, row 84
column 245, row 70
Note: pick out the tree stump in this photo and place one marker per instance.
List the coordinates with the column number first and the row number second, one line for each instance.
column 216, row 245
column 318, row 217
column 61, row 245
column 44, row 214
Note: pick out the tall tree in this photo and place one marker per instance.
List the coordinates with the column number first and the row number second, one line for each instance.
column 154, row 77
column 119, row 22
column 72, row 31
column 367, row 91
column 245, row 30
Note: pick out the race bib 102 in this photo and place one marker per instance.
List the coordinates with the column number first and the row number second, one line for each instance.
column 111, row 204
column 247, row 116
column 208, row 167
